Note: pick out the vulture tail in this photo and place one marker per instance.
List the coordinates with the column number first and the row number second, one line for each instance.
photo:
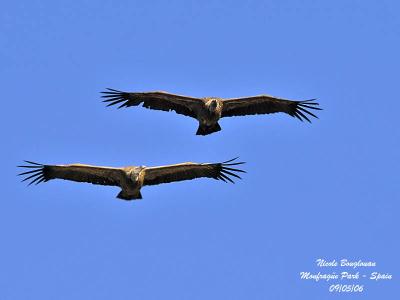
column 125, row 196
column 204, row 129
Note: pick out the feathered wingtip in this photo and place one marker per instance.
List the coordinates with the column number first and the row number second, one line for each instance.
column 227, row 170
column 113, row 97
column 303, row 107
column 36, row 175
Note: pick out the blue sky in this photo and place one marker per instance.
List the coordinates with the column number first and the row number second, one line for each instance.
column 324, row 190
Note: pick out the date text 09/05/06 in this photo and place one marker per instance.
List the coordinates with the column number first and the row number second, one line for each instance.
column 346, row 288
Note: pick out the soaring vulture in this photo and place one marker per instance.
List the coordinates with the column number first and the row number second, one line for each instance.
column 131, row 179
column 209, row 110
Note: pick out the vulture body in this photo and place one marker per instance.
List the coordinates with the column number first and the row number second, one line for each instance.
column 131, row 179
column 209, row 110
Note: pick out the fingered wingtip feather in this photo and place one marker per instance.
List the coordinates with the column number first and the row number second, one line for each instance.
column 226, row 177
column 122, row 105
column 230, row 160
column 28, row 172
column 115, row 102
column 109, row 100
column 308, row 100
column 235, row 170
column 220, row 178
column 303, row 115
column 234, row 164
column 110, row 97
column 110, row 94
column 31, row 167
column 36, row 179
column 306, row 111
column 41, row 180
column 232, row 174
column 310, row 107
column 295, row 115
column 33, row 163
column 114, row 90
column 29, row 177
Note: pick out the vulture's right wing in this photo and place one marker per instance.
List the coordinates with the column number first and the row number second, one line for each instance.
column 265, row 104
column 184, row 105
column 74, row 172
column 188, row 171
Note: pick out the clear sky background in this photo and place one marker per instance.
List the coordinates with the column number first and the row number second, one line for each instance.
column 329, row 189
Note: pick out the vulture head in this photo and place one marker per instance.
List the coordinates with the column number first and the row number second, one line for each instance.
column 212, row 104
column 134, row 174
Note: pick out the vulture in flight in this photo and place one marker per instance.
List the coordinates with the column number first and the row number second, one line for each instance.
column 209, row 110
column 131, row 179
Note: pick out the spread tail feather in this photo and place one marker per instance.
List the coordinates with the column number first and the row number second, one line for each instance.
column 204, row 129
column 125, row 196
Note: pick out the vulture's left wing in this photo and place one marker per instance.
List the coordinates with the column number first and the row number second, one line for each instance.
column 184, row 105
column 38, row 173
column 188, row 171
column 265, row 104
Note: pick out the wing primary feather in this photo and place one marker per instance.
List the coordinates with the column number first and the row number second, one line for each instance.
column 309, row 100
column 310, row 107
column 33, row 171
column 234, row 164
column 33, row 163
column 116, row 102
column 297, row 116
column 308, row 103
column 228, row 161
column 221, row 178
column 112, row 91
column 27, row 178
column 236, row 170
column 112, row 99
column 230, row 173
column 110, row 95
column 123, row 104
column 306, row 111
column 36, row 179
column 311, row 104
column 226, row 177
column 35, row 167
column 303, row 115
column 41, row 180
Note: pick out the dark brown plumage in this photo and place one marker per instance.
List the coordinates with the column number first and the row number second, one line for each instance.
column 209, row 110
column 132, row 178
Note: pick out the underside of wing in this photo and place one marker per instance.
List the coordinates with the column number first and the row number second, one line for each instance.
column 183, row 105
column 267, row 105
column 224, row 171
column 38, row 173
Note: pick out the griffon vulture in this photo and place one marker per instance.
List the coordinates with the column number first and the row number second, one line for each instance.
column 210, row 109
column 131, row 179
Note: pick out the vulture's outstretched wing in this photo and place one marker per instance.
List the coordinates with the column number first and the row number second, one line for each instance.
column 74, row 172
column 188, row 171
column 183, row 105
column 265, row 104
